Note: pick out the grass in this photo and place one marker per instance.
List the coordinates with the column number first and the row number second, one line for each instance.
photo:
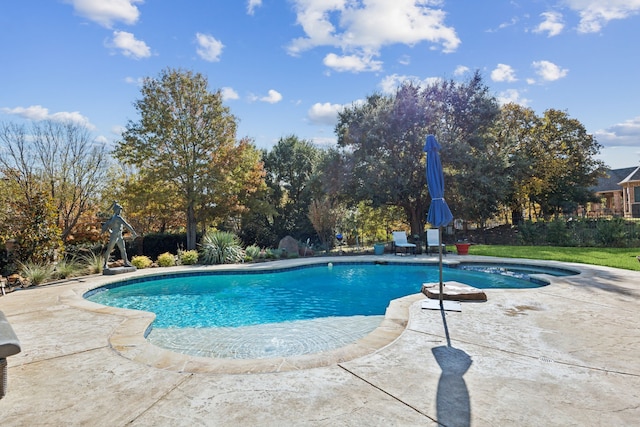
column 66, row 268
column 93, row 263
column 36, row 273
column 624, row 258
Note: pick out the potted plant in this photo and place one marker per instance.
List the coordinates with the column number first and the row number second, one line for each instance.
column 378, row 248
column 462, row 246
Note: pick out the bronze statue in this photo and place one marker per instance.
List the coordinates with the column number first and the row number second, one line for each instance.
column 115, row 226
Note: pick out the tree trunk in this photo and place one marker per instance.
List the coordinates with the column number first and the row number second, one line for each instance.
column 191, row 227
column 416, row 221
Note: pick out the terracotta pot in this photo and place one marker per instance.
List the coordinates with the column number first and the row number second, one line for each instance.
column 463, row 248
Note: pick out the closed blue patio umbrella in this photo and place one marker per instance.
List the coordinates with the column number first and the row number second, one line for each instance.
column 439, row 213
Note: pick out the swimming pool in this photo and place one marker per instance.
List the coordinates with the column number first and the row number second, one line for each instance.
column 278, row 312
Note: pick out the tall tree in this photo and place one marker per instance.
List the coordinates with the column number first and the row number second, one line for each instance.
column 59, row 158
column 551, row 161
column 568, row 162
column 383, row 141
column 461, row 115
column 515, row 133
column 291, row 166
column 186, row 139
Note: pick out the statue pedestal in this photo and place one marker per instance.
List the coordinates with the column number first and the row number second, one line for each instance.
column 118, row 270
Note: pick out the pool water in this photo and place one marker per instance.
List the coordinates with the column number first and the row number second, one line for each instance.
column 279, row 313
column 233, row 300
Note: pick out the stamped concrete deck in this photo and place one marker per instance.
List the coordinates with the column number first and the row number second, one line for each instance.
column 567, row 354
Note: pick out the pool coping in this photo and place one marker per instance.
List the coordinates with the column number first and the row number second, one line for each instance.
column 128, row 338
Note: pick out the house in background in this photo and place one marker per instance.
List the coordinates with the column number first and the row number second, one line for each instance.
column 619, row 192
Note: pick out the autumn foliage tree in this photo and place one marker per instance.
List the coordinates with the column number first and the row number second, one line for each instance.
column 185, row 141
column 59, row 159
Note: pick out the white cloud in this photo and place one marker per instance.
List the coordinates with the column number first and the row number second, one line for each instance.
column 273, row 97
column 552, row 24
column 229, row 93
column 504, row 25
column 118, row 130
column 252, row 5
column 503, row 73
column 626, row 133
column 461, row 70
column 129, row 45
column 324, row 113
column 362, row 29
column 353, row 63
column 38, row 113
column 107, row 12
column 392, row 82
column 549, row 71
column 324, row 141
column 404, row 60
column 594, row 14
column 210, row 49
column 512, row 96
column 134, row 81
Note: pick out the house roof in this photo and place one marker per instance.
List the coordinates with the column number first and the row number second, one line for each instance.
column 614, row 177
column 633, row 176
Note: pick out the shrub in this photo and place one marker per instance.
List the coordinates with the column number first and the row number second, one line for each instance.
column 188, row 257
column 66, row 268
column 528, row 233
column 36, row 273
column 166, row 259
column 252, row 251
column 156, row 244
column 220, row 247
column 272, row 253
column 610, row 232
column 558, row 234
column 141, row 261
column 93, row 263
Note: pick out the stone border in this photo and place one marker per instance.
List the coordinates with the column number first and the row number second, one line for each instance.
column 128, row 338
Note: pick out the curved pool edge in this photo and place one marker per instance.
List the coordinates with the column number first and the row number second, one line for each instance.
column 128, row 340
column 128, row 337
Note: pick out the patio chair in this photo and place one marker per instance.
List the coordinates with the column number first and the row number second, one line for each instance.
column 400, row 241
column 9, row 345
column 433, row 238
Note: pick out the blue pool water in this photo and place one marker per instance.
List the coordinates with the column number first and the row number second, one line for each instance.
column 283, row 313
column 233, row 300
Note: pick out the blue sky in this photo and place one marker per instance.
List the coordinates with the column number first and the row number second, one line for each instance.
column 287, row 66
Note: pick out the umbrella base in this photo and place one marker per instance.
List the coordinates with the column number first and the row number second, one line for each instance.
column 447, row 305
column 454, row 291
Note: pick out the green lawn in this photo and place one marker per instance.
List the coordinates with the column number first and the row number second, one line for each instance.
column 610, row 257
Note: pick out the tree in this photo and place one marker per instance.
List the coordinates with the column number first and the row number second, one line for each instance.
column 38, row 235
column 150, row 206
column 384, row 139
column 383, row 142
column 291, row 166
column 515, row 133
column 462, row 115
column 59, row 158
column 568, row 163
column 186, row 140
column 324, row 215
column 551, row 162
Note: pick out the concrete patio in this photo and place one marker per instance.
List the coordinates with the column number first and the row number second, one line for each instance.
column 567, row 354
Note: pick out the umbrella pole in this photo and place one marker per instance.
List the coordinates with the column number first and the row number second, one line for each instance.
column 440, row 258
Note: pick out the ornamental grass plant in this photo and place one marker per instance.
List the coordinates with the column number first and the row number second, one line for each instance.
column 220, row 247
